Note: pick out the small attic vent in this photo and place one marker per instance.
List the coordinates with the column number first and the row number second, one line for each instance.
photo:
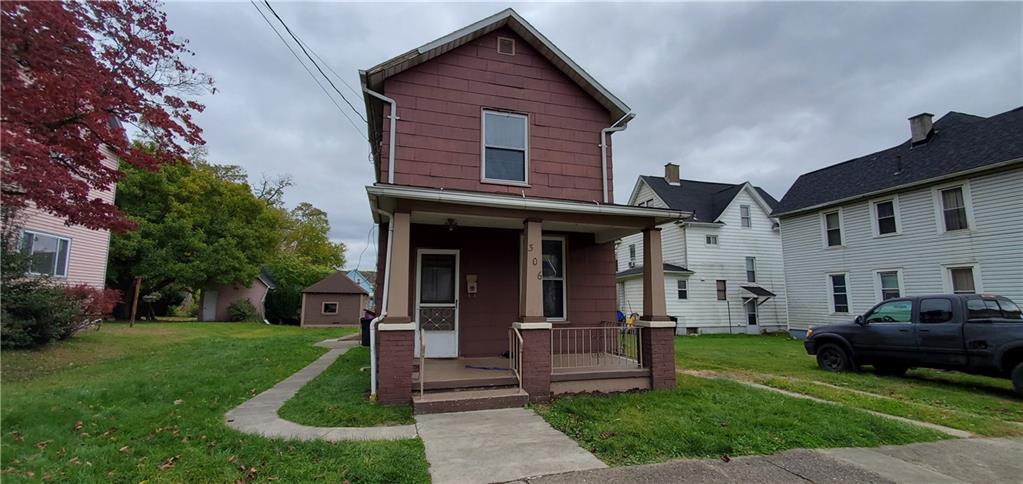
column 505, row 46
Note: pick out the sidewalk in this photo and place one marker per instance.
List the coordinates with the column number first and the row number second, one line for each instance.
column 950, row 461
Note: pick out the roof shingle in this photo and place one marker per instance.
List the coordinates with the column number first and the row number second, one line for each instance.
column 336, row 283
column 706, row 200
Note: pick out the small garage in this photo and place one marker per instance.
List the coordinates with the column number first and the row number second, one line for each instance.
column 334, row 300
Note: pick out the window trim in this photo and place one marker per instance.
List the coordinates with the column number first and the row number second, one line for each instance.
column 876, row 223
column 67, row 260
column 483, row 148
column 831, row 294
column 682, row 289
column 563, row 279
column 824, row 229
column 878, row 288
column 748, row 218
column 939, row 207
column 946, row 276
column 323, row 307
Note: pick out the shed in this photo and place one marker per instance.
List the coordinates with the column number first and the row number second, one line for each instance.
column 334, row 300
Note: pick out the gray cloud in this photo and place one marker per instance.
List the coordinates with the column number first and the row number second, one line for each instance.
column 731, row 91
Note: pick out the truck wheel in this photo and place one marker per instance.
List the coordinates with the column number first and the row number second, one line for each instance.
column 1017, row 378
column 832, row 357
column 890, row 370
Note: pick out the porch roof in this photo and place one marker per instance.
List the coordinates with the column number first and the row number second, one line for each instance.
column 436, row 206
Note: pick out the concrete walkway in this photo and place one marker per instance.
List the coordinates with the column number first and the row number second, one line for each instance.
column 496, row 446
column 259, row 415
column 951, row 461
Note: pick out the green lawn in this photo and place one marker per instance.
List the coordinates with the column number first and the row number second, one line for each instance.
column 711, row 418
column 147, row 404
column 986, row 406
column 339, row 397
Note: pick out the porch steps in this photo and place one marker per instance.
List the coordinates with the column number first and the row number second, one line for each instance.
column 465, row 400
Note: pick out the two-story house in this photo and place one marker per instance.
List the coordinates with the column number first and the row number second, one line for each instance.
column 939, row 213
column 365, row 280
column 496, row 268
column 722, row 265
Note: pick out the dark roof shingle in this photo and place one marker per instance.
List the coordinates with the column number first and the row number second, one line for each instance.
column 639, row 270
column 960, row 142
column 336, row 283
column 706, row 200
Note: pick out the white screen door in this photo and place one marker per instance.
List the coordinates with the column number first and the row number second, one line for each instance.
column 437, row 302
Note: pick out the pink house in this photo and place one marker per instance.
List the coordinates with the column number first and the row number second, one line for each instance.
column 496, row 266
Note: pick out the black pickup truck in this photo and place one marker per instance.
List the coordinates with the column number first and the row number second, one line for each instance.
column 978, row 334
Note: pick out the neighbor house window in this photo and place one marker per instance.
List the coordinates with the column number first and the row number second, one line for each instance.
column 833, row 229
column 953, row 208
column 632, row 255
column 329, row 308
column 962, row 281
column 48, row 254
column 744, row 214
column 839, row 293
column 554, row 278
column 505, row 147
column 888, row 283
column 683, row 289
column 884, row 214
column 712, row 240
column 722, row 288
column 751, row 269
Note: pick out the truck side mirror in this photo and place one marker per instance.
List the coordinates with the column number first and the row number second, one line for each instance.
column 860, row 321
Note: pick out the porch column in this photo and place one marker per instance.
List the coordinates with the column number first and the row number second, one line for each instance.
column 531, row 295
column 657, row 331
column 536, row 360
column 535, row 330
column 396, row 332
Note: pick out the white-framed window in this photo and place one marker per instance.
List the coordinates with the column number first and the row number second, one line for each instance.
column 885, row 215
column 745, row 216
column 554, row 286
column 888, row 284
column 962, row 278
column 751, row 269
column 505, row 148
column 683, row 289
column 953, row 207
column 838, row 292
column 632, row 255
column 712, row 240
column 831, row 226
column 330, row 307
column 49, row 254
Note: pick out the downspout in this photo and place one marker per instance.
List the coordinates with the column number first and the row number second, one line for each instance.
column 394, row 133
column 603, row 150
column 383, row 306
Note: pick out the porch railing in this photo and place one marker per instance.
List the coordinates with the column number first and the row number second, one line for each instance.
column 422, row 365
column 515, row 354
column 609, row 346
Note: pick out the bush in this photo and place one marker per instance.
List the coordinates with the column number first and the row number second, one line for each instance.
column 242, row 310
column 34, row 314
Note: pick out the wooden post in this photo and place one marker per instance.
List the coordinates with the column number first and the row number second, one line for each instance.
column 135, row 301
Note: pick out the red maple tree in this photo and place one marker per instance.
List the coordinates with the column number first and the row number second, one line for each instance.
column 72, row 72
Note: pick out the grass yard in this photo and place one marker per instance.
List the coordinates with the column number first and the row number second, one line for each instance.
column 978, row 404
column 147, row 404
column 339, row 398
column 711, row 418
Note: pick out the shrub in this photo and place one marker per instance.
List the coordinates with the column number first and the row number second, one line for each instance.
column 91, row 304
column 34, row 314
column 242, row 310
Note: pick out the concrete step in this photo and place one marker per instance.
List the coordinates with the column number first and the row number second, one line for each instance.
column 465, row 400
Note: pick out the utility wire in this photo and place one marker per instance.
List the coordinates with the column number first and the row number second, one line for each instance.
column 310, row 72
column 315, row 64
column 325, row 64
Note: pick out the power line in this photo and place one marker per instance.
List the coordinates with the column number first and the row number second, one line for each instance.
column 315, row 64
column 315, row 79
column 339, row 76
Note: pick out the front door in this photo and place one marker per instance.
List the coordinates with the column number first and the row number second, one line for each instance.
column 437, row 302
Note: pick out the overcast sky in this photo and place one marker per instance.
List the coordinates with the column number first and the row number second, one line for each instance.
column 730, row 91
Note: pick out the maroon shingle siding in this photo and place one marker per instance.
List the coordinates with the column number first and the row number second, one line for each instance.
column 440, row 104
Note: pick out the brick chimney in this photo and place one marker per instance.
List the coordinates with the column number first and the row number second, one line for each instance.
column 921, row 127
column 671, row 173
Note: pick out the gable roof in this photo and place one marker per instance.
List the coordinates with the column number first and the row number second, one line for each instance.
column 960, row 143
column 706, row 200
column 336, row 283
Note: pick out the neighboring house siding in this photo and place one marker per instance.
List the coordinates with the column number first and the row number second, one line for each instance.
column 227, row 295
column 349, row 311
column 646, row 196
column 440, row 104
column 920, row 251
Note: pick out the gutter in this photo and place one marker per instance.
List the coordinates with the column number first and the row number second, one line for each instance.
column 603, row 148
column 383, row 306
column 394, row 131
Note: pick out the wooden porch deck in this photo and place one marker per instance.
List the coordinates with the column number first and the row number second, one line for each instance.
column 449, row 373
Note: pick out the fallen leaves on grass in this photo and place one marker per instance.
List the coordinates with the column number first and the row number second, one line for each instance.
column 167, row 464
column 78, row 426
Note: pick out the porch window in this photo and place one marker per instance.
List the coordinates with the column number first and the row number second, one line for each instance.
column 554, row 278
column 48, row 253
column 329, row 308
column 505, row 147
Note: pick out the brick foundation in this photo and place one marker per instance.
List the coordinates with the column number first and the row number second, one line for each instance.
column 536, row 364
column 394, row 366
column 659, row 355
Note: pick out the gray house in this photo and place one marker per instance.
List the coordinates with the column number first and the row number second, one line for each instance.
column 939, row 213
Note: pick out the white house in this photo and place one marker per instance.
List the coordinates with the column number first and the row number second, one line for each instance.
column 722, row 266
column 939, row 213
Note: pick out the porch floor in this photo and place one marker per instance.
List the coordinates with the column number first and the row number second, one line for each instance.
column 441, row 373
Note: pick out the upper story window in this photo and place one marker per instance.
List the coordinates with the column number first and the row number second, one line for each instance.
column 751, row 269
column 953, row 209
column 48, row 253
column 632, row 255
column 505, row 148
column 885, row 221
column 833, row 229
column 712, row 240
column 744, row 214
